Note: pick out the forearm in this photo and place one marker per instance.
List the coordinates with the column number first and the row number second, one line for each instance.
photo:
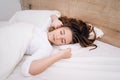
column 56, row 23
column 40, row 65
column 54, row 17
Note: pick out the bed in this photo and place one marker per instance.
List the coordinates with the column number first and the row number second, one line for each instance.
column 102, row 63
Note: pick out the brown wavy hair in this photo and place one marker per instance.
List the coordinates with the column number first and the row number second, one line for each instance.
column 80, row 31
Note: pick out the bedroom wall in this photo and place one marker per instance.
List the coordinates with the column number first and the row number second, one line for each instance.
column 8, row 8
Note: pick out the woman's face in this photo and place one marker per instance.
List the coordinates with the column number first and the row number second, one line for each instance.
column 60, row 36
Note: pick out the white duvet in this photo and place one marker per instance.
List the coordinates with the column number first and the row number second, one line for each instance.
column 102, row 63
column 14, row 39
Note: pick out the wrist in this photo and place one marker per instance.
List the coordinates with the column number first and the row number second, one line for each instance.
column 58, row 56
column 54, row 17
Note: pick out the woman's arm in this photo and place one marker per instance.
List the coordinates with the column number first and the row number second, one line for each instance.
column 40, row 65
column 56, row 23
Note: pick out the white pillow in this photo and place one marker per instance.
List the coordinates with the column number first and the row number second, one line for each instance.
column 74, row 47
column 14, row 40
column 36, row 17
column 41, row 18
column 98, row 31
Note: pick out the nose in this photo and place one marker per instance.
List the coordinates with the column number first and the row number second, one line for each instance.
column 59, row 37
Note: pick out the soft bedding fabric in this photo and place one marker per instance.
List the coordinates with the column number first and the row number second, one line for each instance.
column 14, row 39
column 35, row 17
column 41, row 17
column 4, row 23
column 102, row 63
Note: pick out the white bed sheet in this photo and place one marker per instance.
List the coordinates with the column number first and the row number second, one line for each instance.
column 4, row 23
column 102, row 63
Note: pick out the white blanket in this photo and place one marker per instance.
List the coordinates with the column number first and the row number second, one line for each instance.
column 14, row 39
column 102, row 63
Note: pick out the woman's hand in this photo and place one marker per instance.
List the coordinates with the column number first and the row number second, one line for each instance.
column 56, row 23
column 66, row 53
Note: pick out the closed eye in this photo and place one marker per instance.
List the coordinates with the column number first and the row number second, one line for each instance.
column 63, row 41
column 62, row 32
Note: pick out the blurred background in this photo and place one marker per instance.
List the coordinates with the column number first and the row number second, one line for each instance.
column 8, row 8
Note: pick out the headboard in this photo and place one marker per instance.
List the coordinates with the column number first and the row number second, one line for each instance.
column 104, row 14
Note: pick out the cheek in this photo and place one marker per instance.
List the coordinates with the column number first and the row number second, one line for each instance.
column 58, row 42
column 69, row 39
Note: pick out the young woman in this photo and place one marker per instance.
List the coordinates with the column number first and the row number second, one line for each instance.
column 63, row 31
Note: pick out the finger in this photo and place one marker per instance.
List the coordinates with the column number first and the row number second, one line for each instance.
column 61, row 24
column 69, row 48
column 52, row 25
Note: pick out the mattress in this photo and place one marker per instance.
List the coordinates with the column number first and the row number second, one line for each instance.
column 102, row 63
